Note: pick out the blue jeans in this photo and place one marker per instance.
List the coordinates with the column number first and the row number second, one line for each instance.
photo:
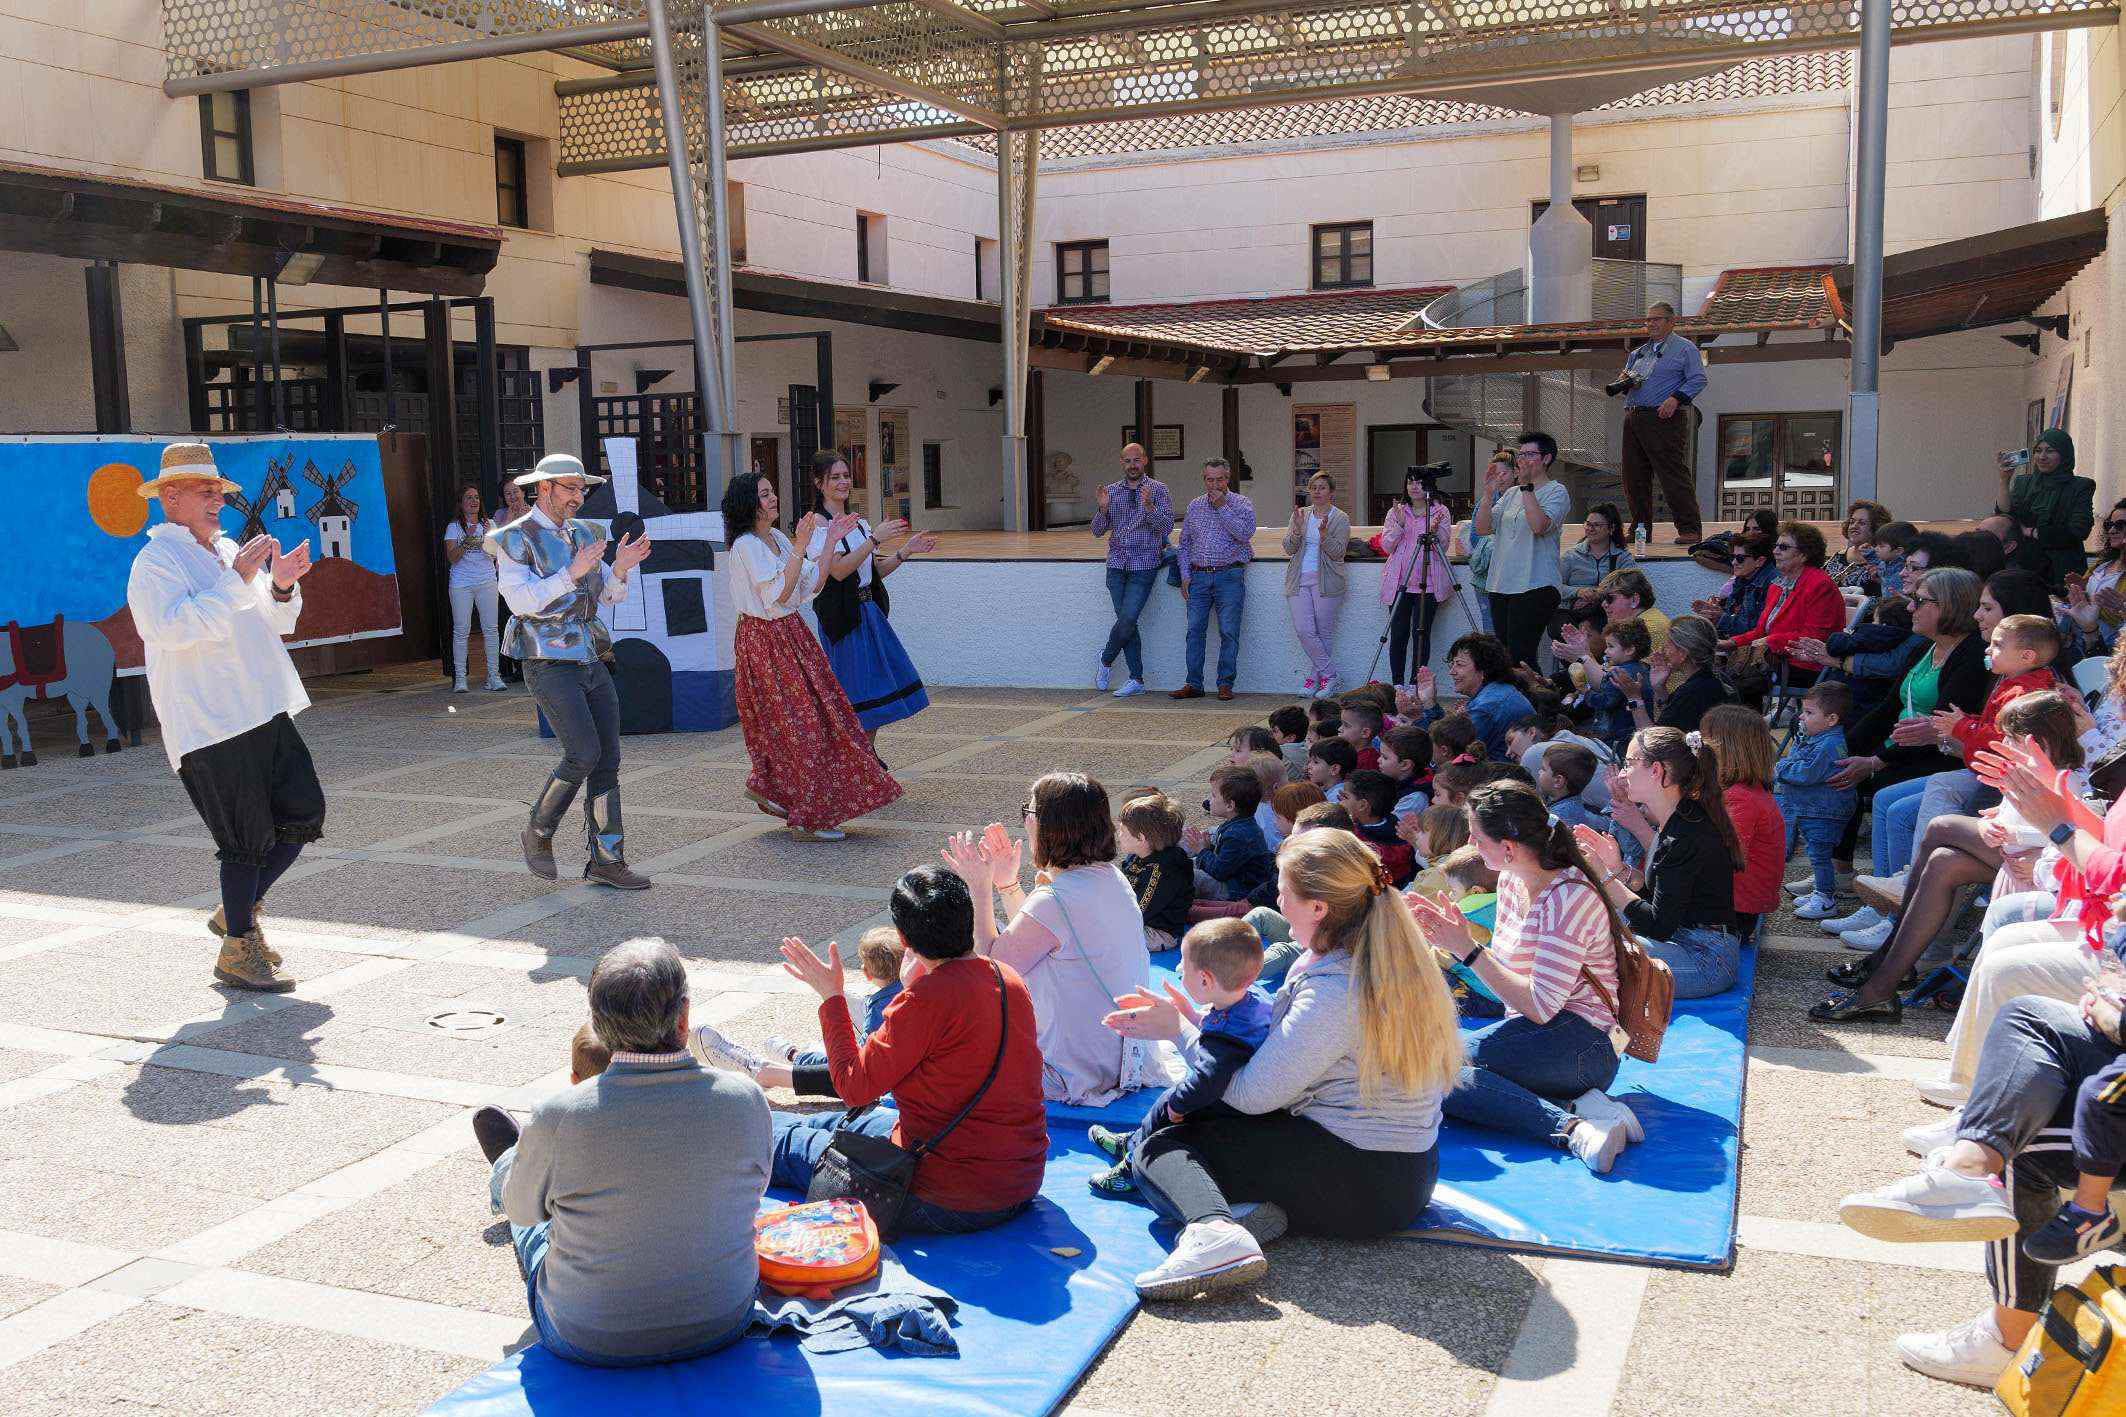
column 1956, row 793
column 1519, row 1069
column 1128, row 590
column 800, row 1141
column 1820, row 835
column 1224, row 590
column 531, row 1243
column 1705, row 961
column 1896, row 824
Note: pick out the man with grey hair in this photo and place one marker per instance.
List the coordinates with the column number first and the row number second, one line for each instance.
column 1217, row 542
column 1665, row 374
column 631, row 1195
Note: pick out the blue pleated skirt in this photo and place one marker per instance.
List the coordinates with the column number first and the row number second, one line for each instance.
column 876, row 672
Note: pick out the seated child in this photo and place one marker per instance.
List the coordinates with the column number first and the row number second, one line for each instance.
column 1220, row 961
column 1288, row 801
column 1370, row 798
column 587, row 1055
column 1269, row 771
column 1288, row 726
column 1244, row 743
column 1231, row 858
column 2085, row 1223
column 1148, row 829
column 1323, row 711
column 1452, row 784
column 1892, row 540
column 1329, row 762
column 1742, row 745
column 879, row 953
column 1554, row 727
column 1815, row 811
column 2050, row 721
column 1865, row 658
column 1275, row 930
column 1455, row 740
column 1361, row 725
column 1564, row 776
column 1406, row 758
column 1439, row 833
column 1609, row 708
column 1473, row 887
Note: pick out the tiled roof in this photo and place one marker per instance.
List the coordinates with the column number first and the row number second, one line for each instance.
column 1348, row 319
column 1772, row 297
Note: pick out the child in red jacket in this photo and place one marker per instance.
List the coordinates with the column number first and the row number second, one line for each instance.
column 1743, row 747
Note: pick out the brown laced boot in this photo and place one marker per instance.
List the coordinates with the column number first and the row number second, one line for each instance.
column 615, row 873
column 243, row 965
column 218, row 924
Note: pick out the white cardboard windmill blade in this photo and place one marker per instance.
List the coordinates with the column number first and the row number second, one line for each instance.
column 641, row 614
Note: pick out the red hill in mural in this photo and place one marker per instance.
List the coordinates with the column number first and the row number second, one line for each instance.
column 339, row 599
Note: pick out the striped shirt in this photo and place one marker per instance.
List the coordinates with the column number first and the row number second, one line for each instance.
column 1550, row 940
column 1217, row 536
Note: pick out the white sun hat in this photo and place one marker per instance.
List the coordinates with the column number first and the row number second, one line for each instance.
column 555, row 465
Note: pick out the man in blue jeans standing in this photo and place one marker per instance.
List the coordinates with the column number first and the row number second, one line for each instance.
column 1135, row 515
column 1217, row 542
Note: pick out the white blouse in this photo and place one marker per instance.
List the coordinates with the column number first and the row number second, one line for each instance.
column 756, row 577
column 1310, row 558
column 818, row 549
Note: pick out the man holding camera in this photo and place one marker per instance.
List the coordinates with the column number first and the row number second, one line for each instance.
column 1660, row 379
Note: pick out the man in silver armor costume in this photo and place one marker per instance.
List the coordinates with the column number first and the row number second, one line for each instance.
column 553, row 574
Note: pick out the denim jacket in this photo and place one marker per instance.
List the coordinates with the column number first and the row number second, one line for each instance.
column 1801, row 778
column 1237, row 857
column 1745, row 603
column 1613, row 721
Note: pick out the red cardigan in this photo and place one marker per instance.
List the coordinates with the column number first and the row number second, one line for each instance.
column 1816, row 611
column 931, row 1051
column 1762, row 829
column 1981, row 733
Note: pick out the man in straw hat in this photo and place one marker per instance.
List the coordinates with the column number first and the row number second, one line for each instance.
column 553, row 574
column 211, row 615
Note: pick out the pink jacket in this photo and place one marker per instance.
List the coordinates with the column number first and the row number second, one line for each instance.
column 1399, row 536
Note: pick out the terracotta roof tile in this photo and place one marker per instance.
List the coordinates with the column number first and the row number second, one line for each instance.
column 1800, row 297
column 1346, row 319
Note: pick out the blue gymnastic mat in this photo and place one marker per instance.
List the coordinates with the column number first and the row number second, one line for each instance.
column 1669, row 1200
column 1030, row 1323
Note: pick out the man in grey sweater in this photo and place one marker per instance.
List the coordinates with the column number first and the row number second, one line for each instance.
column 631, row 1195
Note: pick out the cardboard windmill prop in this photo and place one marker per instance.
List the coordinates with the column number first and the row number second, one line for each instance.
column 333, row 513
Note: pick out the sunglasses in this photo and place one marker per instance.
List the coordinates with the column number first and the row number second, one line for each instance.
column 2115, row 526
column 1027, row 810
column 1783, row 546
column 1924, row 600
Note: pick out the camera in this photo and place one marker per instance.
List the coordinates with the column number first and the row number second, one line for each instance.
column 1431, row 474
column 2016, row 457
column 1624, row 383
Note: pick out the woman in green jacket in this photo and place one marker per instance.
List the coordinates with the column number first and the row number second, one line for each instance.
column 2053, row 506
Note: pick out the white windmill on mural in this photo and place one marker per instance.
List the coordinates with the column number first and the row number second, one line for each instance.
column 278, row 489
column 333, row 513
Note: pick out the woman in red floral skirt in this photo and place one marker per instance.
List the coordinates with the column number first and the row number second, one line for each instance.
column 811, row 764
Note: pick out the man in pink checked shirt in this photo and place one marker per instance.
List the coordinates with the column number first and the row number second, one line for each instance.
column 1217, row 542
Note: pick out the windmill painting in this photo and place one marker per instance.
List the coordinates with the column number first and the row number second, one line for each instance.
column 333, row 513
column 276, row 498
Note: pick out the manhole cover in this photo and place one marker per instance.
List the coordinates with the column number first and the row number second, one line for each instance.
column 463, row 1023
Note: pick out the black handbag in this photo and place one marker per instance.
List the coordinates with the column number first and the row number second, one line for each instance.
column 878, row 1171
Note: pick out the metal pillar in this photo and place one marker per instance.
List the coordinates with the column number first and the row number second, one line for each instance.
column 676, row 151
column 1863, row 420
column 107, row 373
column 1018, row 158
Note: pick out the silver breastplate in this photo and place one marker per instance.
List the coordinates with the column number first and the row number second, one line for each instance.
column 569, row 628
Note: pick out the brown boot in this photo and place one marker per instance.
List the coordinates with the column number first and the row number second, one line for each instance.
column 615, row 873
column 218, row 926
column 243, row 965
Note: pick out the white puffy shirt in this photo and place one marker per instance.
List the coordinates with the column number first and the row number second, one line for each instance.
column 216, row 664
column 756, row 577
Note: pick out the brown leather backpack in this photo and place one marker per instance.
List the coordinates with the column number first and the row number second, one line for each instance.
column 1648, row 990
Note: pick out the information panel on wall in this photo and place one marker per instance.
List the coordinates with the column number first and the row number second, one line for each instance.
column 1325, row 439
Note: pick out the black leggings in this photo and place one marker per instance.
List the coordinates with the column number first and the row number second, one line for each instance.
column 1519, row 620
column 1326, row 1185
column 1401, row 621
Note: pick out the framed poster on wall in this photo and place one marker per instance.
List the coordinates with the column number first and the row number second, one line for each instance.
column 1166, row 440
column 893, row 450
column 852, row 439
column 1325, row 439
column 2062, row 391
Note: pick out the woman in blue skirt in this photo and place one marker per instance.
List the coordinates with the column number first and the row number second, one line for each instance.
column 862, row 649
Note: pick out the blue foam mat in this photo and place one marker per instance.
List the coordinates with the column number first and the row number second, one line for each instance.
column 1668, row 1201
column 1030, row 1323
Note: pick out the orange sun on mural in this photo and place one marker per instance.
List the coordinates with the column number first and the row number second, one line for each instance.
column 115, row 503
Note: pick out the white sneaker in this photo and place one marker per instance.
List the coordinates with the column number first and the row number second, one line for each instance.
column 778, row 1047
column 709, row 1045
column 1936, row 1204
column 1869, row 940
column 1133, row 686
column 819, row 834
column 1327, row 687
column 1884, row 892
column 496, row 686
column 459, row 687
column 1598, row 1106
column 1597, row 1143
column 1925, row 1138
column 1941, row 1092
column 1814, row 907
column 1210, row 1255
column 1971, row 1353
column 1865, row 918
column 1803, row 886
column 1104, row 677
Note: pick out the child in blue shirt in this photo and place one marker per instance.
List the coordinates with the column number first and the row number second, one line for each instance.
column 1232, row 858
column 1815, row 811
column 1627, row 643
column 1220, row 960
column 879, row 951
column 1564, row 774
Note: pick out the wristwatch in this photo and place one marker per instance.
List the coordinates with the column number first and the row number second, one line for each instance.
column 2062, row 834
column 1469, row 959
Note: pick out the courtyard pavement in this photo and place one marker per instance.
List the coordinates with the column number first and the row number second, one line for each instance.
column 229, row 1203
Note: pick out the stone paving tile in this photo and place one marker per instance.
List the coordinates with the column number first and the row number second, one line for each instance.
column 1322, row 1332
column 1787, row 984
column 392, row 1035
column 717, row 786
column 338, row 764
column 871, row 856
column 129, row 981
column 957, row 800
column 964, row 720
column 1117, row 764
column 124, row 874
column 966, row 695
column 1784, row 1334
column 16, row 930
column 160, row 1358
column 430, row 1237
column 365, row 821
column 18, row 1294
column 703, row 923
column 14, row 1063
column 1810, row 1139
column 1188, row 729
column 80, row 1199
column 647, row 837
column 116, row 807
column 490, row 778
column 385, row 900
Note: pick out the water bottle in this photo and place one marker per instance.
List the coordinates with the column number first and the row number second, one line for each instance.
column 1638, row 539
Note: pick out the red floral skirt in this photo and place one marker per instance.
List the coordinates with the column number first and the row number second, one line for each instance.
column 809, row 752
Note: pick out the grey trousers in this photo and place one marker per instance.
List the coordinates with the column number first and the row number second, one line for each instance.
column 580, row 702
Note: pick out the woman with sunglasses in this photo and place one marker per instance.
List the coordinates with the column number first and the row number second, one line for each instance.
column 1804, row 603
column 2096, row 603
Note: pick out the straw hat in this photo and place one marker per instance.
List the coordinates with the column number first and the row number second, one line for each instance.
column 555, row 465
column 187, row 462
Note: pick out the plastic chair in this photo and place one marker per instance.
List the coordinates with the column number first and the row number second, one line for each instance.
column 2091, row 675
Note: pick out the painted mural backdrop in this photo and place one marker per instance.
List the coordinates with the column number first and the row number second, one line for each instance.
column 83, row 496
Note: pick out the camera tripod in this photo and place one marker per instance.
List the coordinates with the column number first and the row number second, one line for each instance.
column 1427, row 547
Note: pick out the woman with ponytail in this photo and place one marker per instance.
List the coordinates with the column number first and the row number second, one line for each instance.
column 1682, row 904
column 1340, row 1105
column 1541, row 1070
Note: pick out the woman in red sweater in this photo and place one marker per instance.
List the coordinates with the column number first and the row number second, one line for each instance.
column 937, row 1042
column 1804, row 603
column 1743, row 747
